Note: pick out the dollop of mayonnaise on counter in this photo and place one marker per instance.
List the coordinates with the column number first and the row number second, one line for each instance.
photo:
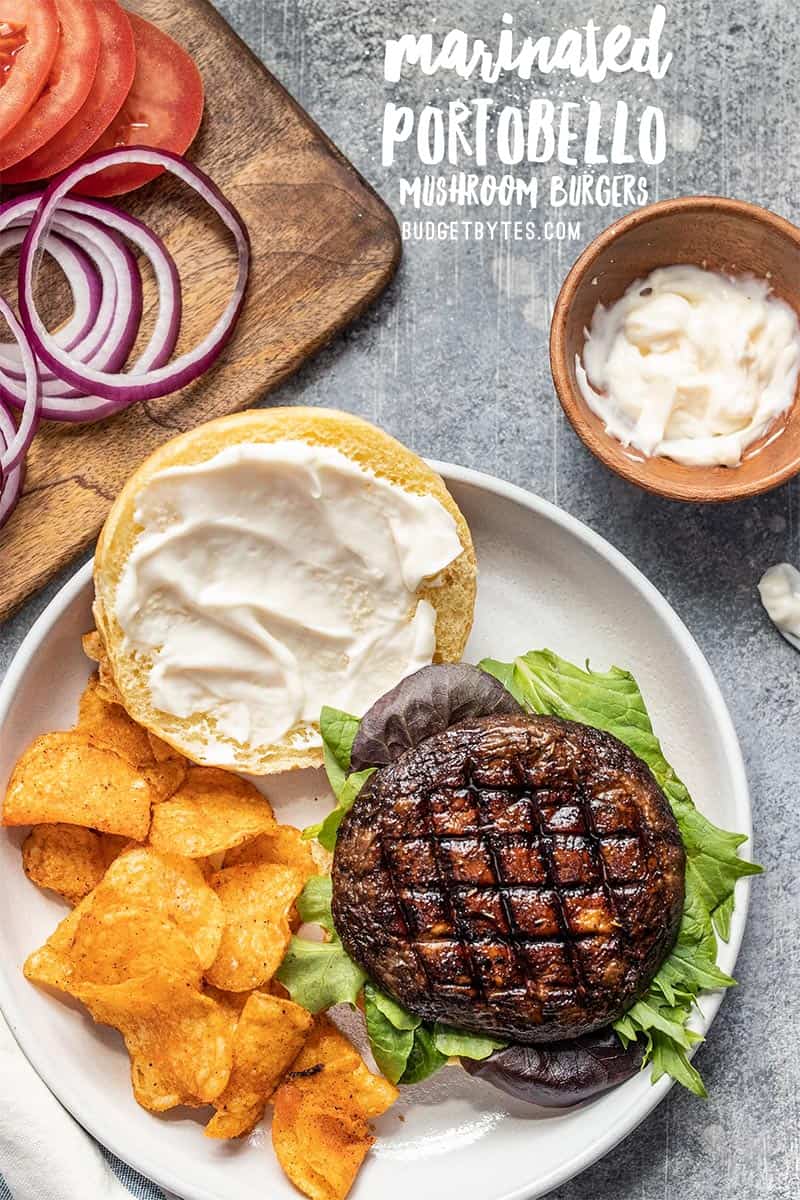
column 691, row 364
column 275, row 578
column 779, row 588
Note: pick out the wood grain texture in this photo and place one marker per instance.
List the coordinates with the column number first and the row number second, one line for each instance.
column 324, row 246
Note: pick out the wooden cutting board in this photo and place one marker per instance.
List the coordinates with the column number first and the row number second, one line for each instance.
column 324, row 246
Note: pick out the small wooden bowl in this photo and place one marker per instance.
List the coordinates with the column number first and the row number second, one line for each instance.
column 708, row 231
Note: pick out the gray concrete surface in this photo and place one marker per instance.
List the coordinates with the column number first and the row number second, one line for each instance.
column 454, row 361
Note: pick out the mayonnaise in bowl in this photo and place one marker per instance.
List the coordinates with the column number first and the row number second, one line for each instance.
column 691, row 364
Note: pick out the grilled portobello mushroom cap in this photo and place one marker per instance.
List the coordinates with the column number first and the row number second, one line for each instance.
column 519, row 876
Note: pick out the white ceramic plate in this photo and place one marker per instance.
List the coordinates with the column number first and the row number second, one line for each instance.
column 545, row 580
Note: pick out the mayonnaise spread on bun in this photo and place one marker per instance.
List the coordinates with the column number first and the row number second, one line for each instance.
column 275, row 578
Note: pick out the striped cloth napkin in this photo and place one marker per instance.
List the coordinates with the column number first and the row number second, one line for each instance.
column 44, row 1154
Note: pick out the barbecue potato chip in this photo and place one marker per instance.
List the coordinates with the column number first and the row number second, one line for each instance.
column 50, row 964
column 319, row 1126
column 110, row 947
column 178, row 1039
column 112, row 846
column 232, row 1002
column 170, row 887
column 225, row 1126
column 267, row 1039
column 257, row 899
column 94, row 648
column 165, row 777
column 283, row 845
column 162, row 751
column 209, row 866
column 121, row 944
column 67, row 859
column 153, row 884
column 64, row 778
column 211, row 811
column 109, row 726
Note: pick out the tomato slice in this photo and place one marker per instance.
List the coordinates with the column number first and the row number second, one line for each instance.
column 28, row 43
column 164, row 109
column 68, row 84
column 116, row 67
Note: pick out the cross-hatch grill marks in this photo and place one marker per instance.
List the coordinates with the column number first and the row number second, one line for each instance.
column 522, row 876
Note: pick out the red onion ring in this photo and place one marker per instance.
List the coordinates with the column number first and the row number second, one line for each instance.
column 56, row 375
column 19, row 441
column 18, row 213
column 114, row 334
column 83, row 282
column 165, row 334
column 89, row 223
column 10, row 481
column 71, row 403
column 119, row 285
column 148, row 379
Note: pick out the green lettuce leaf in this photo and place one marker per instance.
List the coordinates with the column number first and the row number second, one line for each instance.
column 611, row 701
column 314, row 903
column 391, row 1032
column 425, row 1059
column 457, row 1043
column 338, row 731
column 394, row 1012
column 408, row 1050
column 669, row 1058
column 318, row 975
column 327, row 830
column 722, row 917
column 405, row 1049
